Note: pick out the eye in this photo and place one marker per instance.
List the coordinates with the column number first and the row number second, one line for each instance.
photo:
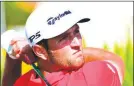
column 77, row 31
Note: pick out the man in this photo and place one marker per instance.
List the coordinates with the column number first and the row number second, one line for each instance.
column 53, row 34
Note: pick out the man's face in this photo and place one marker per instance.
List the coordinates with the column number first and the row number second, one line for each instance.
column 65, row 50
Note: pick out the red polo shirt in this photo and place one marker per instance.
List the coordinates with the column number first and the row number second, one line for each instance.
column 97, row 73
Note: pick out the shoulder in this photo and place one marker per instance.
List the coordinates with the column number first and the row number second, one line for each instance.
column 97, row 54
column 101, row 73
column 99, row 66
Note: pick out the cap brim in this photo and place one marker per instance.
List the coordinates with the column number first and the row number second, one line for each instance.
column 84, row 20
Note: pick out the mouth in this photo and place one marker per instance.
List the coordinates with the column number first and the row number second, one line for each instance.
column 78, row 53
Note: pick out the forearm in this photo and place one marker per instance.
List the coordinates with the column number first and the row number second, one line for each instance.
column 12, row 71
column 99, row 54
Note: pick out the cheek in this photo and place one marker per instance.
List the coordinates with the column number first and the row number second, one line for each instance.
column 62, row 55
column 64, row 58
column 80, row 41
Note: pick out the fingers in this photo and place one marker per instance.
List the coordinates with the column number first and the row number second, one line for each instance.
column 14, row 40
column 18, row 45
column 22, row 50
column 17, row 55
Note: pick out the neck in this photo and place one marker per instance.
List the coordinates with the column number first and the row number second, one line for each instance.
column 48, row 67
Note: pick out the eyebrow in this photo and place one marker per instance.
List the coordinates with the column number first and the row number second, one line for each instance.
column 74, row 28
column 68, row 32
column 65, row 34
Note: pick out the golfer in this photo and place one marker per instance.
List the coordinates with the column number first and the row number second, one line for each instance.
column 53, row 33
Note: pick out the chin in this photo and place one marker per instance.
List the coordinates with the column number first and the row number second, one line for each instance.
column 79, row 61
column 74, row 66
column 79, row 64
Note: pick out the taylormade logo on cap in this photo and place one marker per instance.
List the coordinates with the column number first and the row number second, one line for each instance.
column 52, row 20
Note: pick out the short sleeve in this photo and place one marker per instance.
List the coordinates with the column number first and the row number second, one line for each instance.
column 100, row 73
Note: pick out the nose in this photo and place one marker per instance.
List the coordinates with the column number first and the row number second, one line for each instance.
column 75, row 43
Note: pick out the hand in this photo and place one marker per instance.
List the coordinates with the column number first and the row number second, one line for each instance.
column 22, row 50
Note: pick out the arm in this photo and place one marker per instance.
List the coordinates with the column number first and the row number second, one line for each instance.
column 21, row 51
column 93, row 54
column 12, row 71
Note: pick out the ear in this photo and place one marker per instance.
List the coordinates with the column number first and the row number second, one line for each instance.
column 40, row 52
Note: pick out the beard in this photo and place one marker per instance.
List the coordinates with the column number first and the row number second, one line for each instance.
column 64, row 63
